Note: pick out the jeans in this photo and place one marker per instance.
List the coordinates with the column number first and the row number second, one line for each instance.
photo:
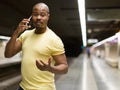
column 20, row 88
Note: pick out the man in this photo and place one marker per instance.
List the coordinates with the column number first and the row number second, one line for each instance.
column 43, row 52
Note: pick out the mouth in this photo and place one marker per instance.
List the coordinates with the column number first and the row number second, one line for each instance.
column 39, row 23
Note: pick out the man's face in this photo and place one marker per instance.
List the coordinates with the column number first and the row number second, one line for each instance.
column 40, row 16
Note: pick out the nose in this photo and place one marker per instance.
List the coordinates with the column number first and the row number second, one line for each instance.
column 39, row 17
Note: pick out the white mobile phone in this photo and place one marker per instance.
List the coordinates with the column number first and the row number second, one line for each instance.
column 29, row 20
column 29, row 17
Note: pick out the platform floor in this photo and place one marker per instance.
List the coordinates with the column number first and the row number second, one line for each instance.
column 87, row 74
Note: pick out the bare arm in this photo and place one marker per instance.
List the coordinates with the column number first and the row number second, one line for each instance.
column 61, row 66
column 14, row 46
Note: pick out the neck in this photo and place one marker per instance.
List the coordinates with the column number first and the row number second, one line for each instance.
column 40, row 30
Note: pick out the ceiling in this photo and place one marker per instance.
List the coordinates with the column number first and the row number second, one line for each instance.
column 103, row 18
column 64, row 19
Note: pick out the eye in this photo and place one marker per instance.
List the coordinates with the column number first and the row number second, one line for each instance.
column 43, row 14
column 35, row 14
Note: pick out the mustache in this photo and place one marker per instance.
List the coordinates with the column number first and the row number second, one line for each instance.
column 40, row 21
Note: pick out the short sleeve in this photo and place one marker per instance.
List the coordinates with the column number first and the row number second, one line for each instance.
column 21, row 37
column 57, row 46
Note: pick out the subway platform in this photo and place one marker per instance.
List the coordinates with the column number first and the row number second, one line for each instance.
column 84, row 74
column 89, row 74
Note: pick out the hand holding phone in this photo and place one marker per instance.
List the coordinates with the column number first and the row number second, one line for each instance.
column 29, row 17
column 29, row 20
column 28, row 24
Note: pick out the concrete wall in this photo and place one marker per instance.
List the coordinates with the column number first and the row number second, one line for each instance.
column 2, row 48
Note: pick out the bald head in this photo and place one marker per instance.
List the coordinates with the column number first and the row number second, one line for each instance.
column 41, row 5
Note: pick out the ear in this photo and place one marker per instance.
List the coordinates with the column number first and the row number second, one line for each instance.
column 48, row 16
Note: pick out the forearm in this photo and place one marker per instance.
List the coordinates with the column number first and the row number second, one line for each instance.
column 59, row 69
column 10, row 46
column 13, row 46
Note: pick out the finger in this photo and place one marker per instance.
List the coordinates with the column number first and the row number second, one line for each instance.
column 38, row 63
column 26, row 19
column 27, row 27
column 24, row 22
column 43, row 63
column 49, row 61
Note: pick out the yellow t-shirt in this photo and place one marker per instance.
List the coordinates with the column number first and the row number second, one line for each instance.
column 38, row 47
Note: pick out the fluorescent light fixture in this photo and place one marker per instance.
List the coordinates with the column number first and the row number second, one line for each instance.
column 92, row 41
column 106, row 40
column 81, row 7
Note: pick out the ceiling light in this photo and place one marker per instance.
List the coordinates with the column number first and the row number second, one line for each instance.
column 81, row 7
